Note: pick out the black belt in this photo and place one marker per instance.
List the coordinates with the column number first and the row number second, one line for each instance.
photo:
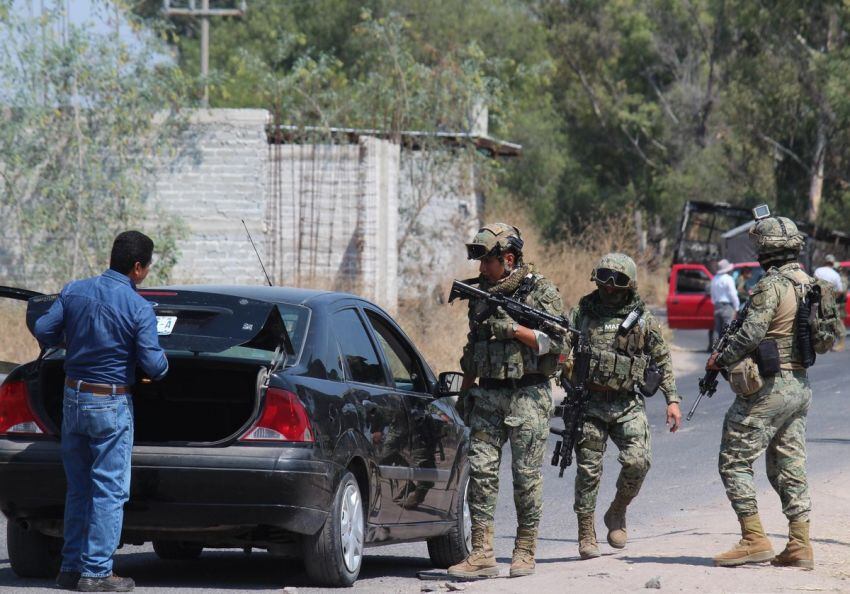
column 531, row 379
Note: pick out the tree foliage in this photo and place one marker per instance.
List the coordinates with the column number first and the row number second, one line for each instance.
column 86, row 121
column 627, row 102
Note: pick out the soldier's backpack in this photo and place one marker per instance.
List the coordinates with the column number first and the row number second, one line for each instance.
column 818, row 321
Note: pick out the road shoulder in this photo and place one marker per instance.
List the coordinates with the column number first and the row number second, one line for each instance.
column 678, row 554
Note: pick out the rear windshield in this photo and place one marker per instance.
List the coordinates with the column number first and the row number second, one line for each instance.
column 295, row 319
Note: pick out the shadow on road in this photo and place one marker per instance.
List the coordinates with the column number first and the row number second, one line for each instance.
column 654, row 536
column 8, row 578
column 539, row 561
column 705, row 561
column 229, row 570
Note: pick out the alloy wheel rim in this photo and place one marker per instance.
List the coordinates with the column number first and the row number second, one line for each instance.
column 467, row 519
column 351, row 528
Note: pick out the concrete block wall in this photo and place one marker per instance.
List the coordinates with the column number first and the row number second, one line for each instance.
column 312, row 210
column 380, row 164
column 365, row 216
column 439, row 211
column 220, row 180
column 332, row 211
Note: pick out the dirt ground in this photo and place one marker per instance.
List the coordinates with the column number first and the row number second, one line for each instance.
column 678, row 555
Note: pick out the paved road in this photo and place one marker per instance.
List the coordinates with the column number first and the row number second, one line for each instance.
column 683, row 477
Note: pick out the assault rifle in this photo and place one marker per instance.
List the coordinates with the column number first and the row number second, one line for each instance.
column 574, row 404
column 708, row 382
column 518, row 311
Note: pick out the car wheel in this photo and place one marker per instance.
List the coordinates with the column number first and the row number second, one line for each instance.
column 177, row 550
column 31, row 553
column 454, row 547
column 334, row 554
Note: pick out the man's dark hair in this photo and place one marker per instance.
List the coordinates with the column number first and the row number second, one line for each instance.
column 128, row 248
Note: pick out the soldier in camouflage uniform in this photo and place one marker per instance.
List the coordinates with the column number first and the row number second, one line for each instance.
column 513, row 399
column 773, row 419
column 616, row 409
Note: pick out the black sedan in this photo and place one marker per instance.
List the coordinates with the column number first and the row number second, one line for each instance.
column 302, row 422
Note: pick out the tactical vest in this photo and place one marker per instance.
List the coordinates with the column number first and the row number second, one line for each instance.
column 488, row 357
column 617, row 362
column 783, row 326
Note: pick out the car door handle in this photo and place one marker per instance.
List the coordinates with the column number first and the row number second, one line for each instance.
column 675, row 300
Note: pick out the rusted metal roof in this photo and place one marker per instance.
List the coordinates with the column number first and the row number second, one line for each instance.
column 412, row 139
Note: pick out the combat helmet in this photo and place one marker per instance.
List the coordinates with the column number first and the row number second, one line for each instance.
column 776, row 236
column 494, row 240
column 618, row 270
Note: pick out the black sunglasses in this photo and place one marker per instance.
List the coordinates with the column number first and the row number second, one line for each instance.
column 606, row 276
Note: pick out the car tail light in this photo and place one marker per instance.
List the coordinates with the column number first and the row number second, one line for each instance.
column 16, row 416
column 283, row 418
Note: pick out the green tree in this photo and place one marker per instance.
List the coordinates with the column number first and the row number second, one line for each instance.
column 87, row 120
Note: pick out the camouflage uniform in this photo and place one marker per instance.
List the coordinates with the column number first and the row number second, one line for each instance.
column 519, row 414
column 512, row 402
column 773, row 419
column 616, row 409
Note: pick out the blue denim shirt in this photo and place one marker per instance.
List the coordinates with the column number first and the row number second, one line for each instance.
column 107, row 329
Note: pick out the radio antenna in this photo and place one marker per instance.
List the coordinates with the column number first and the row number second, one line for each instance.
column 256, row 252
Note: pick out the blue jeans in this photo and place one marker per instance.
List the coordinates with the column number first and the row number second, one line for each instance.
column 97, row 443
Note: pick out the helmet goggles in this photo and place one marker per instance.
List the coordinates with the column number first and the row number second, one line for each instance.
column 606, row 276
column 476, row 251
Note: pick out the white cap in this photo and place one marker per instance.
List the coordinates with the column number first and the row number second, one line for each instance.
column 724, row 266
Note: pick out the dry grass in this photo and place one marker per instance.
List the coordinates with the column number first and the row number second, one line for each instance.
column 16, row 343
column 439, row 330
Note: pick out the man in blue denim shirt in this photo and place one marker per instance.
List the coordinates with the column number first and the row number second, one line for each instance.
column 107, row 329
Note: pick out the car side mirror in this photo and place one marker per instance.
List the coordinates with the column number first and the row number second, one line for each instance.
column 449, row 383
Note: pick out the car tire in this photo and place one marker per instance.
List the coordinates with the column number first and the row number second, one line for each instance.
column 177, row 550
column 31, row 553
column 453, row 547
column 333, row 556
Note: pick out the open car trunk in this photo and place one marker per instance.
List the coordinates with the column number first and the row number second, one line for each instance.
column 199, row 401
column 219, row 347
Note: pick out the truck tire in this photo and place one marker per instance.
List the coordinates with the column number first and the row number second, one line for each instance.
column 333, row 556
column 31, row 553
column 177, row 550
column 453, row 547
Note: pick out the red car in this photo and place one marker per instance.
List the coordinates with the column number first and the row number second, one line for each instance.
column 689, row 300
column 689, row 296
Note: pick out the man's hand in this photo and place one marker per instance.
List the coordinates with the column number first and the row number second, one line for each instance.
column 674, row 417
column 712, row 362
column 465, row 403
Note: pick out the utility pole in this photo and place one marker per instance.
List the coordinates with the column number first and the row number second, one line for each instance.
column 204, row 12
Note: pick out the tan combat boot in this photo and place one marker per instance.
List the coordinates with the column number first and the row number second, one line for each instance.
column 481, row 561
column 753, row 547
column 798, row 552
column 525, row 544
column 615, row 521
column 587, row 546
